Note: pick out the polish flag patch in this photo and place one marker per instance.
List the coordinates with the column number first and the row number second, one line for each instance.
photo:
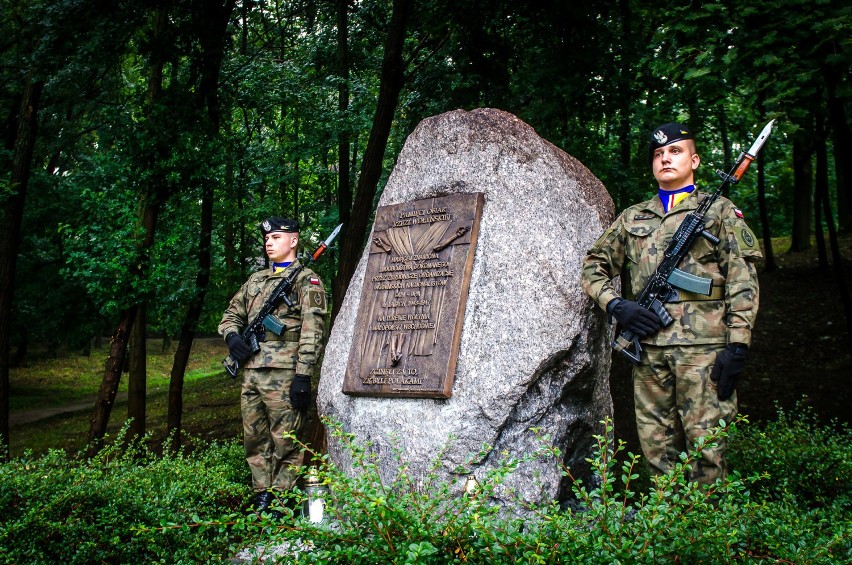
column 739, row 213
column 315, row 280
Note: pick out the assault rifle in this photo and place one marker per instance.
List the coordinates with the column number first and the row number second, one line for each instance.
column 255, row 331
column 660, row 288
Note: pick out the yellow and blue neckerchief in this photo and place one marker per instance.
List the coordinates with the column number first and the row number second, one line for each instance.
column 671, row 198
column 278, row 267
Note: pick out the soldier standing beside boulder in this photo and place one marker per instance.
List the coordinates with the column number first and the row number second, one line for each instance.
column 276, row 380
column 686, row 378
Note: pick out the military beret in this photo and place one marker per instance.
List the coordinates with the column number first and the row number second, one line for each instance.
column 276, row 224
column 666, row 134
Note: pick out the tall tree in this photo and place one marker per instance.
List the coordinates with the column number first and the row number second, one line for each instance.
column 212, row 22
column 137, row 375
column 393, row 73
column 769, row 263
column 44, row 52
column 154, row 193
column 344, row 188
column 837, row 260
column 21, row 146
column 802, row 191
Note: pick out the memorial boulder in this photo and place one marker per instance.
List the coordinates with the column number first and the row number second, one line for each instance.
column 465, row 324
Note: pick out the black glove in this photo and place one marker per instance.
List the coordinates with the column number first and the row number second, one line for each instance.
column 238, row 348
column 300, row 392
column 634, row 318
column 726, row 371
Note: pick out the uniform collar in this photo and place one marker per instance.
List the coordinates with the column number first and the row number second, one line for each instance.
column 691, row 202
column 283, row 273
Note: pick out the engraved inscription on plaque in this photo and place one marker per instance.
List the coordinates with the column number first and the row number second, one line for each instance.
column 410, row 317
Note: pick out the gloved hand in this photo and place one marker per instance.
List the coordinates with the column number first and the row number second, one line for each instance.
column 727, row 368
column 238, row 348
column 634, row 318
column 300, row 392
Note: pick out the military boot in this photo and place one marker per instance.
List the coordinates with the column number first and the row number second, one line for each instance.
column 262, row 500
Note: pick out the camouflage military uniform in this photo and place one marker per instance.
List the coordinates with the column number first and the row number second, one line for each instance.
column 676, row 401
column 264, row 402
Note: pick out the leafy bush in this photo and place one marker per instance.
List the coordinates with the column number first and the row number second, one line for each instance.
column 675, row 521
column 128, row 505
column 805, row 460
column 63, row 509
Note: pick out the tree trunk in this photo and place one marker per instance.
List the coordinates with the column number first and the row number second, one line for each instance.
column 769, row 263
column 137, row 379
column 371, row 169
column 842, row 140
column 20, row 357
column 22, row 147
column 121, row 336
column 625, row 97
column 726, row 148
column 190, row 324
column 819, row 236
column 836, row 258
column 371, row 166
column 344, row 188
column 842, row 157
column 215, row 15
column 802, row 193
column 112, row 376
column 152, row 201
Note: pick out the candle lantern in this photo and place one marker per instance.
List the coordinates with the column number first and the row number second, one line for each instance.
column 471, row 485
column 316, row 498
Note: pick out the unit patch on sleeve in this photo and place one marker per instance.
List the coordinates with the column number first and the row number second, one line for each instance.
column 316, row 298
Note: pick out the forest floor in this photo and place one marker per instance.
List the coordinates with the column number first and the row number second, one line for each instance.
column 53, row 398
column 801, row 355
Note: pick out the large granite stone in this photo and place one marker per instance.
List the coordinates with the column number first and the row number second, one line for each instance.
column 534, row 350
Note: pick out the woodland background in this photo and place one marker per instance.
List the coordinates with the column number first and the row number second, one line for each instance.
column 143, row 141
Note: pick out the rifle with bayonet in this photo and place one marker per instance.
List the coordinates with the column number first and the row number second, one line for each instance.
column 255, row 331
column 660, row 288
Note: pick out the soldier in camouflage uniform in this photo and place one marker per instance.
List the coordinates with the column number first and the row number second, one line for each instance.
column 276, row 382
column 686, row 380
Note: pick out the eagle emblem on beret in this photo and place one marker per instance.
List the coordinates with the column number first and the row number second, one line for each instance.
column 267, row 226
column 660, row 136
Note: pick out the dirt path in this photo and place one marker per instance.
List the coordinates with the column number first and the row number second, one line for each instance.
column 23, row 417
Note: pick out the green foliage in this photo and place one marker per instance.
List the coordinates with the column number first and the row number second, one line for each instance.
column 591, row 77
column 62, row 509
column 807, row 462
column 129, row 505
column 376, row 521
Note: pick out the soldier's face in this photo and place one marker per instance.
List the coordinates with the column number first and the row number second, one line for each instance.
column 674, row 165
column 281, row 247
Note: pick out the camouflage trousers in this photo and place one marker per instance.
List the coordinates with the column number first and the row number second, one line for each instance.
column 676, row 403
column 267, row 416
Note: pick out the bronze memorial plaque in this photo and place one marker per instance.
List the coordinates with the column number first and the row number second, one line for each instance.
column 409, row 321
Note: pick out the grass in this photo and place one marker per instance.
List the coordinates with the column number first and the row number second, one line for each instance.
column 211, row 398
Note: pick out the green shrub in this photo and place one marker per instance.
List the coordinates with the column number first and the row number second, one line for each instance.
column 674, row 521
column 128, row 505
column 63, row 509
column 805, row 460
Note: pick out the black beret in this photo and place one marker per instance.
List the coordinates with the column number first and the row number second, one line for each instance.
column 276, row 224
column 666, row 134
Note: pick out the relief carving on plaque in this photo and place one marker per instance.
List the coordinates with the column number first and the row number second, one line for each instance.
column 412, row 303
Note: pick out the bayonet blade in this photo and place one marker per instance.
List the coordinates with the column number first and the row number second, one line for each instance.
column 761, row 139
column 330, row 238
